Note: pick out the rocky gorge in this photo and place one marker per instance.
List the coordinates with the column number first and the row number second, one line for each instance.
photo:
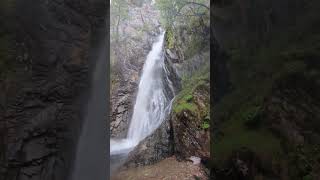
column 50, row 74
column 184, row 133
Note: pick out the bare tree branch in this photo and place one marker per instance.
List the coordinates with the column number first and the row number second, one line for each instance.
column 199, row 4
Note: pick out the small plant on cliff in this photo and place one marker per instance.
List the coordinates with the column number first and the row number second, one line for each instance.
column 205, row 125
column 206, row 122
column 188, row 98
column 170, row 38
column 183, row 105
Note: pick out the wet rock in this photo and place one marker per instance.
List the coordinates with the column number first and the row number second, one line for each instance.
column 195, row 160
column 41, row 107
column 121, row 109
column 152, row 149
column 173, row 56
column 36, row 149
column 189, row 138
column 169, row 168
column 30, row 171
column 160, row 144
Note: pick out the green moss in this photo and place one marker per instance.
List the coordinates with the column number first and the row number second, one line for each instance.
column 170, row 38
column 236, row 135
column 194, row 46
column 205, row 125
column 206, row 122
column 184, row 100
column 182, row 105
column 188, row 98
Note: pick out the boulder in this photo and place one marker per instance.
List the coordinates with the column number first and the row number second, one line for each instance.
column 152, row 149
column 172, row 55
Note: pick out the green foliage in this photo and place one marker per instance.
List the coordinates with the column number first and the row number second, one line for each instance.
column 170, row 40
column 205, row 125
column 188, row 98
column 172, row 10
column 236, row 135
column 168, row 9
column 198, row 78
column 187, row 24
column 185, row 99
column 206, row 122
column 195, row 45
column 182, row 106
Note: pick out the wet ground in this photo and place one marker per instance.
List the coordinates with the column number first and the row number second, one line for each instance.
column 167, row 169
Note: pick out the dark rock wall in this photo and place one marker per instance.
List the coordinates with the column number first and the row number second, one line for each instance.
column 269, row 47
column 220, row 70
column 45, row 95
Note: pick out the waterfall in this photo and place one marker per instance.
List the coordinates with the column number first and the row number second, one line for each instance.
column 152, row 102
column 90, row 161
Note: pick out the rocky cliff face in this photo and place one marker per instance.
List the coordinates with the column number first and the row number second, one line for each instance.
column 159, row 144
column 136, row 36
column 185, row 132
column 273, row 75
column 42, row 93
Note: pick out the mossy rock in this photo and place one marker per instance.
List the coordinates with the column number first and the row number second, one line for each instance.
column 187, row 99
column 181, row 106
column 170, row 39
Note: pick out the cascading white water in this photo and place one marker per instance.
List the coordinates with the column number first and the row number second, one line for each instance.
column 152, row 104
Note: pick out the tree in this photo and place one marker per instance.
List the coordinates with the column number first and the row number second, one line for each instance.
column 173, row 10
column 118, row 13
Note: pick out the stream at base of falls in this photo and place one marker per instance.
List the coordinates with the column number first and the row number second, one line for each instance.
column 152, row 104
